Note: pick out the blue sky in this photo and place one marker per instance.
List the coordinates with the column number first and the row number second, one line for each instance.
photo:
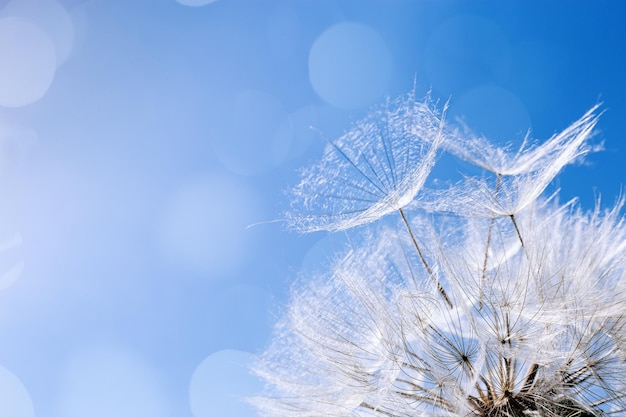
column 140, row 138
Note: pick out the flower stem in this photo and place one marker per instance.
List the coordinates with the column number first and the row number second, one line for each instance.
column 519, row 235
column 486, row 258
column 429, row 270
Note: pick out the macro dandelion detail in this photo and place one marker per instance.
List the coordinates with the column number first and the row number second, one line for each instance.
column 457, row 313
column 375, row 168
column 518, row 178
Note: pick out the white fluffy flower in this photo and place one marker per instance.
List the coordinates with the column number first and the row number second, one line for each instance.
column 559, row 150
column 546, row 337
column 376, row 168
column 519, row 178
column 515, row 306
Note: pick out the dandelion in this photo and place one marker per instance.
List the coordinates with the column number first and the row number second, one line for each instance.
column 465, row 315
column 374, row 169
column 518, row 178
column 546, row 337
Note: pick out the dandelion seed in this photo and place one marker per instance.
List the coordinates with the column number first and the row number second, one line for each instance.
column 559, row 150
column 513, row 308
column 519, row 178
column 374, row 169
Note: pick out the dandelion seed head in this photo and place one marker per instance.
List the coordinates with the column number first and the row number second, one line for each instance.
column 510, row 304
column 528, row 343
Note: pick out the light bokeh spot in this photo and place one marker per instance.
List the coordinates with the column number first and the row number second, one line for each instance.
column 14, row 398
column 16, row 142
column 320, row 255
column 307, row 126
column 465, row 51
column 538, row 68
column 350, row 65
column 241, row 315
column 49, row 16
column 105, row 381
column 494, row 112
column 11, row 260
column 244, row 140
column 28, row 62
column 220, row 385
column 203, row 225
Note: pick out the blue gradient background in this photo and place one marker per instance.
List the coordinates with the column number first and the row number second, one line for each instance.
column 140, row 138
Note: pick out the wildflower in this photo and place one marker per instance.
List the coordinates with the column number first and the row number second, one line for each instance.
column 374, row 169
column 557, row 151
column 546, row 338
column 519, row 178
column 513, row 307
